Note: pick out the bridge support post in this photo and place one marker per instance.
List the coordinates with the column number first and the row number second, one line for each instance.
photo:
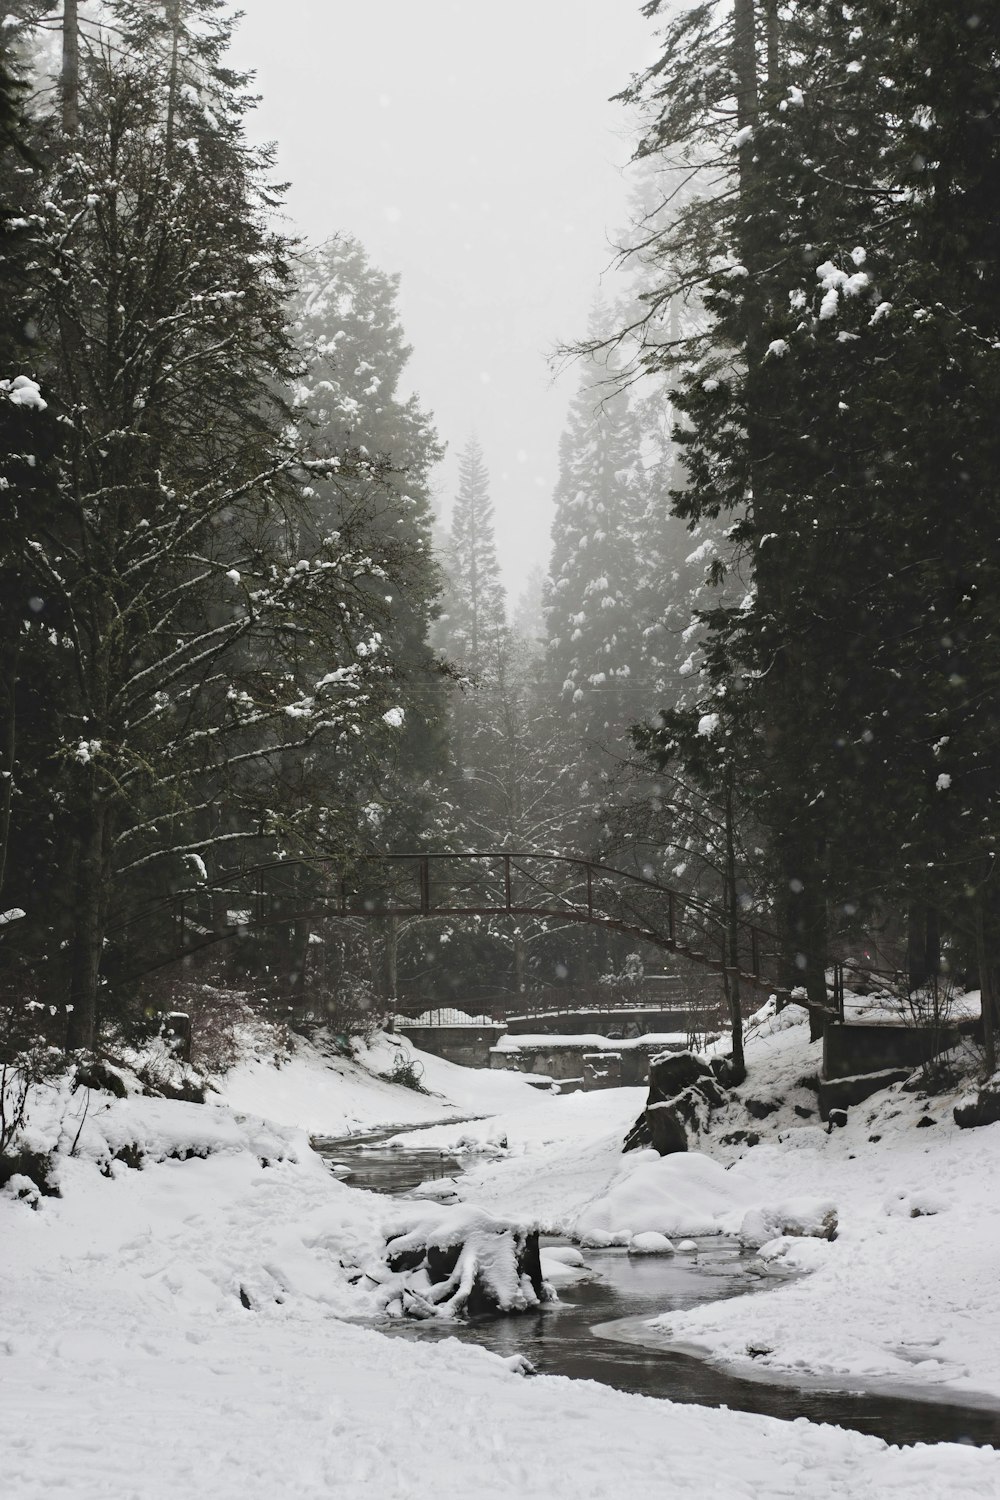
column 838, row 990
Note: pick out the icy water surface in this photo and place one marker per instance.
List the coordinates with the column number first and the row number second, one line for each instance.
column 591, row 1332
column 380, row 1170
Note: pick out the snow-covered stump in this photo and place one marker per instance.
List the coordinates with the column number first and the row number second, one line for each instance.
column 452, row 1262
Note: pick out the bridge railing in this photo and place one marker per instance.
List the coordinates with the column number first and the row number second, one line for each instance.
column 547, row 889
column 689, row 1006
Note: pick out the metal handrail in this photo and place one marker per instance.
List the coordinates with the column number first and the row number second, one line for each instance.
column 583, row 904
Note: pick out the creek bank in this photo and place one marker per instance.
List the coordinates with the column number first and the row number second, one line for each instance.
column 599, row 1328
column 899, row 1413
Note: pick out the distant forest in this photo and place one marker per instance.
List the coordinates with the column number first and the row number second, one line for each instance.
column 761, row 664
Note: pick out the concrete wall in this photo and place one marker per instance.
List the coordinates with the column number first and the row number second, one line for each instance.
column 559, row 1062
column 467, row 1045
column 871, row 1048
column 608, row 1068
column 603, row 1070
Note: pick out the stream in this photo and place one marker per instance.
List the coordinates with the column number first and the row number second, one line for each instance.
column 592, row 1332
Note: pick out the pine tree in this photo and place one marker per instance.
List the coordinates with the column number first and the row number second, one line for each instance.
column 528, row 615
column 593, row 652
column 721, row 100
column 27, row 438
column 472, row 632
column 207, row 630
column 475, row 603
column 935, row 257
column 814, row 420
column 346, row 325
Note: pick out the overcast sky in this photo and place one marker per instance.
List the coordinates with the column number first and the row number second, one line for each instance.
column 472, row 148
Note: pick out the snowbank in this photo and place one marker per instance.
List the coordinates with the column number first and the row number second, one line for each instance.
column 226, row 1210
column 538, row 1122
column 905, row 1292
column 326, row 1094
column 677, row 1195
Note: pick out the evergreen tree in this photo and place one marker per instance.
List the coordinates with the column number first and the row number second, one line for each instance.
column 475, row 603
column 509, row 787
column 813, row 420
column 593, row 653
column 528, row 615
column 26, row 442
column 931, row 387
column 345, row 323
column 206, row 628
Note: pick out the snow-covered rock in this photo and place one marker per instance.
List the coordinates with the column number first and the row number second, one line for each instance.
column 650, row 1243
column 814, row 1218
column 569, row 1255
column 683, row 1194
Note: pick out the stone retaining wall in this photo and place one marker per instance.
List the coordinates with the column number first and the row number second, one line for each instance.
column 466, row 1045
column 612, row 1066
column 870, row 1047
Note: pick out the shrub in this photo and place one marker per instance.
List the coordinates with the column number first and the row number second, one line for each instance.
column 408, row 1072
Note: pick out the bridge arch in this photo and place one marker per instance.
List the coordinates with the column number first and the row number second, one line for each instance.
column 548, row 887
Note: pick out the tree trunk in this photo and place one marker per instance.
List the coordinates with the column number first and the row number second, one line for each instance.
column 70, row 69
column 392, row 958
column 174, row 16
column 773, row 49
column 987, row 990
column 916, row 972
column 88, row 928
column 300, row 959
column 802, row 919
column 923, row 945
column 745, row 64
column 8, row 751
column 932, row 941
column 519, row 963
column 802, row 903
column 733, row 936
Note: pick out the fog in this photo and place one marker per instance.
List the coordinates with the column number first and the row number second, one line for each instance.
column 472, row 149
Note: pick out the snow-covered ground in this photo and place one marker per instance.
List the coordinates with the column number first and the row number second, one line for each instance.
column 179, row 1330
column 907, row 1290
column 544, row 1162
column 326, row 1094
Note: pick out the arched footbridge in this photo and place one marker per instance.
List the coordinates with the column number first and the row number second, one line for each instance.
column 548, row 888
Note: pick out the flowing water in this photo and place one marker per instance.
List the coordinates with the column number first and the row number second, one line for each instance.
column 594, row 1331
